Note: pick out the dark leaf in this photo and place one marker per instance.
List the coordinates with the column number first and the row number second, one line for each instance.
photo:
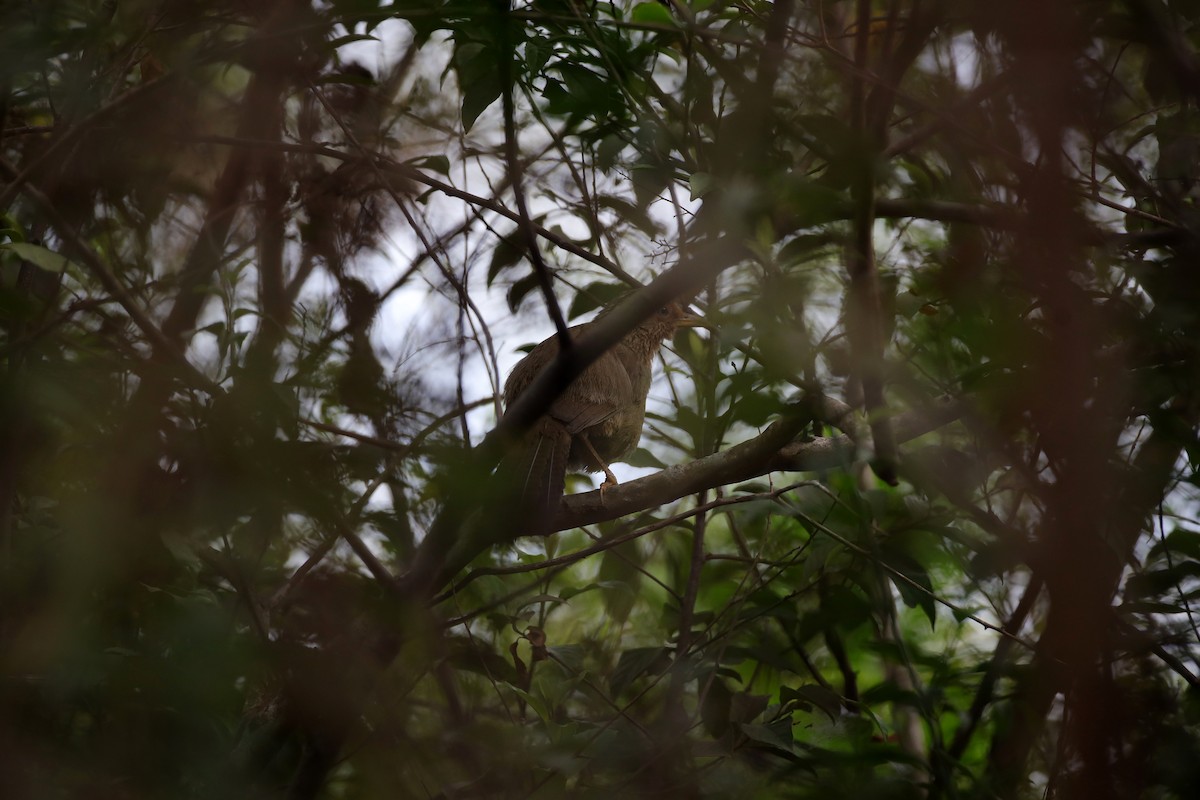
column 633, row 664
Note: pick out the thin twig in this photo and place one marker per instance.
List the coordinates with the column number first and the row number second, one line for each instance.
column 112, row 284
column 516, row 176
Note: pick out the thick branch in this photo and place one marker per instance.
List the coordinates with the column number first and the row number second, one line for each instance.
column 864, row 324
column 451, row 544
column 772, row 451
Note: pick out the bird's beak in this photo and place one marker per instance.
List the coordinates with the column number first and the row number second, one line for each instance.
column 689, row 320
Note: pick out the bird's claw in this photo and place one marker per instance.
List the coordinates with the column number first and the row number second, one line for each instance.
column 610, row 481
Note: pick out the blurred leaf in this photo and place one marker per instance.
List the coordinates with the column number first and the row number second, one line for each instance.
column 716, row 708
column 439, row 164
column 595, row 295
column 508, row 252
column 775, row 737
column 642, row 457
column 630, row 213
column 478, row 68
column 521, row 288
column 812, row 202
column 620, row 580
column 816, row 695
column 476, row 99
column 474, row 656
column 1181, row 542
column 1157, row 582
column 651, row 14
column 633, row 664
column 39, row 256
column 830, row 134
column 1150, row 608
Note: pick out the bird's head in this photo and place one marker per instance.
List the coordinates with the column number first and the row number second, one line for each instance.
column 648, row 336
column 668, row 319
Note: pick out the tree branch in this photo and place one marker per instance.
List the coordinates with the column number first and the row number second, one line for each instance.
column 449, row 544
column 775, row 450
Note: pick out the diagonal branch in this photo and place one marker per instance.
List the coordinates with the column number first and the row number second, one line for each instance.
column 775, row 450
column 516, row 176
column 449, row 545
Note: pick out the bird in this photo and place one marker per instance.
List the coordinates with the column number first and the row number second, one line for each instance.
column 596, row 420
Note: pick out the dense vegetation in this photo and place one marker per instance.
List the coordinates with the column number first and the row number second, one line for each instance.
column 929, row 525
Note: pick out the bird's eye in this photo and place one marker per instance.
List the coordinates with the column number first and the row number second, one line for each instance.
column 665, row 311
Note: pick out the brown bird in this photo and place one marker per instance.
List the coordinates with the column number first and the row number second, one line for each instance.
column 596, row 420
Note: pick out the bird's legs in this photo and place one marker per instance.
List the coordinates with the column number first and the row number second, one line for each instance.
column 610, row 480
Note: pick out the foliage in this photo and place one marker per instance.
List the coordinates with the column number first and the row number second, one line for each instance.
column 930, row 528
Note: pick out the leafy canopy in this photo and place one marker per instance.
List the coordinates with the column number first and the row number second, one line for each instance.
column 928, row 525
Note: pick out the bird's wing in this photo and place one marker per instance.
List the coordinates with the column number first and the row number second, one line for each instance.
column 528, row 368
column 577, row 417
column 602, row 390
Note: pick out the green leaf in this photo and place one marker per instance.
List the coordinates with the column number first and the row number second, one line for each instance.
column 642, row 457
column 1181, row 541
column 351, row 38
column 628, row 212
column 890, row 692
column 813, row 203
column 817, row 695
column 475, row 656
column 775, row 737
column 608, row 150
column 39, row 256
column 621, row 579
column 439, row 164
column 582, row 91
column 477, row 66
column 651, row 14
column 573, row 656
column 844, row 608
column 535, row 702
column 538, row 50
column 831, row 133
column 548, row 599
column 595, row 295
column 477, row 97
column 517, row 292
column 1146, row 607
column 699, row 184
column 715, row 710
column 575, row 591
column 801, row 248
column 633, row 664
column 558, row 100
column 507, row 253
column 756, row 408
column 1157, row 582
column 916, row 573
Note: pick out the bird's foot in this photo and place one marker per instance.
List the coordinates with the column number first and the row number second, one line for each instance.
column 610, row 481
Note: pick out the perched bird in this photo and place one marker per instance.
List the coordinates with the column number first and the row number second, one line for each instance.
column 596, row 420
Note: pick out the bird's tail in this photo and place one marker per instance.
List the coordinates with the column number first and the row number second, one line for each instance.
column 542, row 470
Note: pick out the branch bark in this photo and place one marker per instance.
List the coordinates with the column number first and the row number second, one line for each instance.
column 774, row 450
